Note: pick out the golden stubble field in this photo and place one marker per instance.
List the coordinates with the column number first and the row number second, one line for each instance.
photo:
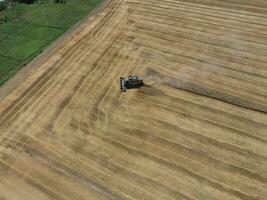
column 66, row 131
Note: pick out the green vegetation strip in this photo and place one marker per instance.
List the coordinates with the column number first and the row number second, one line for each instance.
column 26, row 29
column 8, row 67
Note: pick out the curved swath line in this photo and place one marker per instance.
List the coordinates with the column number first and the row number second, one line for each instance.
column 214, row 115
column 110, row 89
column 156, row 46
column 98, row 107
column 67, row 170
column 156, row 125
column 142, row 23
column 149, row 119
column 97, row 161
column 133, row 176
column 218, row 27
column 99, row 58
column 104, row 100
column 67, row 70
column 127, row 64
column 29, row 127
column 32, row 182
column 213, row 31
column 104, row 136
column 147, row 39
column 259, row 74
column 70, row 52
column 161, row 35
column 225, row 85
column 36, row 152
column 216, row 94
column 259, row 140
column 185, row 185
column 129, row 70
column 212, row 9
column 212, row 67
column 89, row 90
column 249, row 85
column 219, row 48
column 122, row 156
column 106, row 33
column 218, row 9
column 39, row 81
column 220, row 115
column 241, row 133
column 257, row 36
column 258, row 25
column 45, row 89
column 228, row 84
column 224, row 126
column 190, row 154
column 93, row 108
column 253, row 8
column 147, row 17
column 74, row 91
column 212, row 21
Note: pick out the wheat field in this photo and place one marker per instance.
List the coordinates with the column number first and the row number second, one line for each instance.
column 197, row 130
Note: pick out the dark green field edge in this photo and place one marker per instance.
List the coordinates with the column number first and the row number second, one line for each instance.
column 26, row 30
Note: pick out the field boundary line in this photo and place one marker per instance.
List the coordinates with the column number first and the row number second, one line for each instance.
column 50, row 50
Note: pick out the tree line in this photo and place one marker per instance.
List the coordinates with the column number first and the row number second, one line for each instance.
column 4, row 4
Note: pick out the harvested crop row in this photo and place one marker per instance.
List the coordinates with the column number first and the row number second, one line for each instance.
column 197, row 130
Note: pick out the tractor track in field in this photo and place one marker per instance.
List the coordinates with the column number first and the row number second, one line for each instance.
column 197, row 130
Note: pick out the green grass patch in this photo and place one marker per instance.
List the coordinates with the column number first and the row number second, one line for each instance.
column 3, row 37
column 23, row 45
column 25, row 30
column 8, row 67
column 59, row 15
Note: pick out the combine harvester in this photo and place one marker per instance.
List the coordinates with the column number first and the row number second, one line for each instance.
column 130, row 83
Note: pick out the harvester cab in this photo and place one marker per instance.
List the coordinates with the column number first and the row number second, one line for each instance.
column 130, row 82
